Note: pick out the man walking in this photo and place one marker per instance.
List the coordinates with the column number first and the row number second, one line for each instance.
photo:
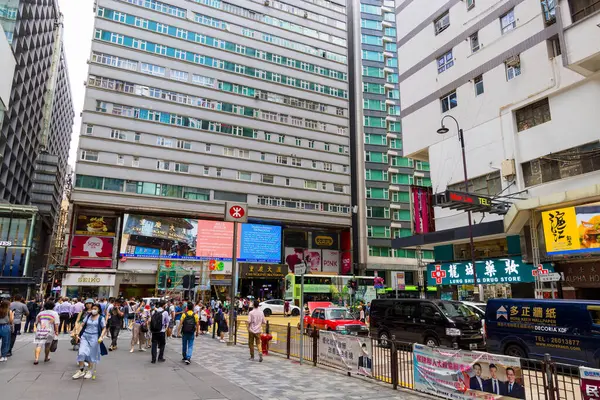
column 19, row 309
column 189, row 327
column 76, row 308
column 256, row 319
column 64, row 311
column 159, row 322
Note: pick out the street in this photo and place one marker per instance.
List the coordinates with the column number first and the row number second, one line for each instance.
column 217, row 372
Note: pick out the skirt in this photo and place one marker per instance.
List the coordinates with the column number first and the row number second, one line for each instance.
column 204, row 326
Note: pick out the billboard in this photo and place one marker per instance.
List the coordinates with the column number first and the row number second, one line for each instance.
column 462, row 375
column 590, row 383
column 422, row 202
column 95, row 225
column 572, row 230
column 155, row 237
column 91, row 251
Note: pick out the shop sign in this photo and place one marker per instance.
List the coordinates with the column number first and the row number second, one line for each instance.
column 5, row 243
column 492, row 271
column 324, row 240
column 590, row 383
column 572, row 230
column 268, row 271
column 400, row 281
column 72, row 279
column 581, row 275
column 95, row 225
column 316, row 288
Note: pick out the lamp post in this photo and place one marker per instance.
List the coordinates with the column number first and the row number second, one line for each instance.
column 461, row 138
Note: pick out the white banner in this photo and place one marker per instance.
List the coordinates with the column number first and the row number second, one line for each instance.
column 351, row 353
column 331, row 261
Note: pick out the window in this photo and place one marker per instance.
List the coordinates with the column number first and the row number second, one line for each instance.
column 478, row 82
column 445, row 62
column 135, row 162
column 164, row 142
column 203, row 80
column 228, row 151
column 207, row 148
column 326, row 146
column 474, row 40
column 282, row 160
column 179, row 75
column 485, row 185
column 101, row 106
column 88, row 155
column 281, row 139
column 310, row 185
column 244, row 176
column 327, row 166
column 338, row 188
column 442, row 23
column 508, row 22
column 184, row 144
column 137, row 137
column 267, row 179
column 296, row 162
column 263, row 156
column 533, row 115
column 513, row 69
column 206, row 171
column 243, row 153
column 219, row 172
column 153, row 69
column 89, row 129
column 449, row 102
column 183, row 168
column 470, row 4
column 163, row 165
column 288, row 182
column 117, row 134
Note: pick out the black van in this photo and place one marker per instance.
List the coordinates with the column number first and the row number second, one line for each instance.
column 568, row 330
column 430, row 322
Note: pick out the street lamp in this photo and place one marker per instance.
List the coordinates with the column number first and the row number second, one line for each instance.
column 461, row 138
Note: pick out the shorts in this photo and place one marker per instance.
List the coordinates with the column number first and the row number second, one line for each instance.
column 41, row 340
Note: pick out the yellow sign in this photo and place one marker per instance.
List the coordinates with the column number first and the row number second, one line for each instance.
column 560, row 230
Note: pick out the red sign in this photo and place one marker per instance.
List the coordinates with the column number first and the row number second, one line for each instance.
column 92, row 247
column 91, row 263
column 439, row 274
column 237, row 212
column 590, row 383
column 540, row 271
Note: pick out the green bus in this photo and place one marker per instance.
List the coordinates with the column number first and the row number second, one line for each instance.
column 333, row 288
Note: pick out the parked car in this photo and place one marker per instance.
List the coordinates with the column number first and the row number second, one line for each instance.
column 477, row 308
column 274, row 306
column 336, row 319
column 568, row 330
column 430, row 322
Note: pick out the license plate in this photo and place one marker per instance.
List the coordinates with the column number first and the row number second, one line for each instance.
column 354, row 333
column 473, row 346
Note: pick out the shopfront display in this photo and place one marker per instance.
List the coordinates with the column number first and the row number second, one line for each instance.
column 84, row 285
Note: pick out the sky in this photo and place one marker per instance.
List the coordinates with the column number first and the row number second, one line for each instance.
column 77, row 37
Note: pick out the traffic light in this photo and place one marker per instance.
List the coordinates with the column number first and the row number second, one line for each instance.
column 161, row 281
column 186, row 282
column 169, row 282
column 193, row 282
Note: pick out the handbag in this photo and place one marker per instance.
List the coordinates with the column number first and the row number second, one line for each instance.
column 103, row 350
column 144, row 328
column 54, row 345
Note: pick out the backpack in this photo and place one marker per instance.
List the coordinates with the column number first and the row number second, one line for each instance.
column 188, row 325
column 156, row 322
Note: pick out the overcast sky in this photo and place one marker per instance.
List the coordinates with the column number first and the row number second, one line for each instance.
column 78, row 31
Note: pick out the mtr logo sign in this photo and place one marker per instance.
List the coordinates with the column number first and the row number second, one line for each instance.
column 236, row 212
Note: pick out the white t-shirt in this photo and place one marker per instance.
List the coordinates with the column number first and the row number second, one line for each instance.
column 196, row 309
column 203, row 316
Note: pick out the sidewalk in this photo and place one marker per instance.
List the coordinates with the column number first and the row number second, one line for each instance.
column 217, row 372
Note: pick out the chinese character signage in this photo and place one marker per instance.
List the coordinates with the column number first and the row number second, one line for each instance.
column 495, row 270
column 572, row 230
column 352, row 353
column 590, row 383
column 268, row 271
column 460, row 374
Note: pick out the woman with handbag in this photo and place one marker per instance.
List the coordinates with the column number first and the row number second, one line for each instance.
column 7, row 318
column 79, row 322
column 90, row 343
column 140, row 328
column 46, row 332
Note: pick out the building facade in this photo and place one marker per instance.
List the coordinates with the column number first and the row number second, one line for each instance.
column 519, row 76
column 190, row 104
column 34, row 138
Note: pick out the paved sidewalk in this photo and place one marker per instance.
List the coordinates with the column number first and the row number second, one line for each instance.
column 217, row 372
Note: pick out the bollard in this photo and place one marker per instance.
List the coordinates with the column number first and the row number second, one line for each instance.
column 315, row 346
column 267, row 328
column 288, row 349
column 237, row 325
column 549, row 377
column 394, row 364
column 214, row 327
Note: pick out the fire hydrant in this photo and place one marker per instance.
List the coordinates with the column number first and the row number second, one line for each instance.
column 265, row 338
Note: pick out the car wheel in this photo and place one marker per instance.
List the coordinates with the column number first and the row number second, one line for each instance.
column 431, row 341
column 384, row 339
column 515, row 350
column 295, row 312
column 267, row 312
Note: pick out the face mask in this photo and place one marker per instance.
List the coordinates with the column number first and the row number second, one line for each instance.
column 94, row 312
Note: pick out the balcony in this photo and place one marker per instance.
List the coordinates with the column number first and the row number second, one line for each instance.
column 391, row 118
column 392, row 152
column 387, row 24
column 583, row 37
column 388, row 39
column 388, row 54
column 388, row 85
column 390, row 102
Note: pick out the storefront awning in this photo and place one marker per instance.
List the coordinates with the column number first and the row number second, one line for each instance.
column 519, row 213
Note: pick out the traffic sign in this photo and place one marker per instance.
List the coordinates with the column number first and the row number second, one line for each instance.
column 553, row 277
column 300, row 269
column 236, row 212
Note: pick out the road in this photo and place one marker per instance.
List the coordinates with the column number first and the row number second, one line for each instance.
column 217, row 372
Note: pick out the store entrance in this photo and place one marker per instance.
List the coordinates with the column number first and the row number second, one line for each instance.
column 136, row 291
column 88, row 292
column 262, row 288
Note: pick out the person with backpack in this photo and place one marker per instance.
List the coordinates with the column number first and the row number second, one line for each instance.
column 90, row 337
column 222, row 328
column 189, row 327
column 159, row 322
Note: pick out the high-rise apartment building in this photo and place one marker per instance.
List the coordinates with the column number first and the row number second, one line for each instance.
column 190, row 104
column 520, row 77
column 34, row 138
column 384, row 176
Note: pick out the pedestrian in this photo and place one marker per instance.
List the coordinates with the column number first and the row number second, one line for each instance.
column 286, row 308
column 159, row 322
column 188, row 330
column 6, row 323
column 139, row 328
column 115, row 322
column 64, row 310
column 87, row 308
column 19, row 310
column 213, row 304
column 361, row 314
column 255, row 321
column 34, row 308
column 222, row 328
column 76, row 308
column 90, row 340
column 203, row 320
column 148, row 310
column 178, row 313
column 47, row 324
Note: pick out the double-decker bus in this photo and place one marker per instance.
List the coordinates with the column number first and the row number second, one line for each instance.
column 332, row 288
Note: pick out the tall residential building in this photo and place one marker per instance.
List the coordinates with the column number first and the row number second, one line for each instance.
column 521, row 79
column 384, row 176
column 34, row 138
column 193, row 103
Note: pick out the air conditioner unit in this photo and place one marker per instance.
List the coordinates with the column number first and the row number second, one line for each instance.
column 508, row 168
column 267, row 3
column 513, row 61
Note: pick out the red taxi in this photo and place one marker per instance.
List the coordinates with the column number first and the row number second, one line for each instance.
column 336, row 319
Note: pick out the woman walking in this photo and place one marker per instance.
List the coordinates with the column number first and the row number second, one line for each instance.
column 139, row 329
column 7, row 318
column 203, row 321
column 90, row 337
column 79, row 322
column 115, row 322
column 222, row 328
column 46, row 323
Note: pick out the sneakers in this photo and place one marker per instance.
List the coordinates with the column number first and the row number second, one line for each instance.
column 142, row 350
column 88, row 375
column 251, row 359
column 3, row 359
column 222, row 341
column 131, row 351
column 79, row 374
column 188, row 362
column 260, row 358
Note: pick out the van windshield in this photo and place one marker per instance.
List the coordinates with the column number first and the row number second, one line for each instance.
column 452, row 310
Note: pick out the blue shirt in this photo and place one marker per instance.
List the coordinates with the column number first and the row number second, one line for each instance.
column 178, row 309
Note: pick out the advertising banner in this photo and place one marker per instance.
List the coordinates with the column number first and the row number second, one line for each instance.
column 400, row 280
column 572, row 230
column 95, row 225
column 495, row 270
column 324, row 240
column 331, row 261
column 590, row 383
column 312, row 258
column 462, row 375
column 260, row 243
column 215, row 239
column 350, row 353
column 91, row 251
